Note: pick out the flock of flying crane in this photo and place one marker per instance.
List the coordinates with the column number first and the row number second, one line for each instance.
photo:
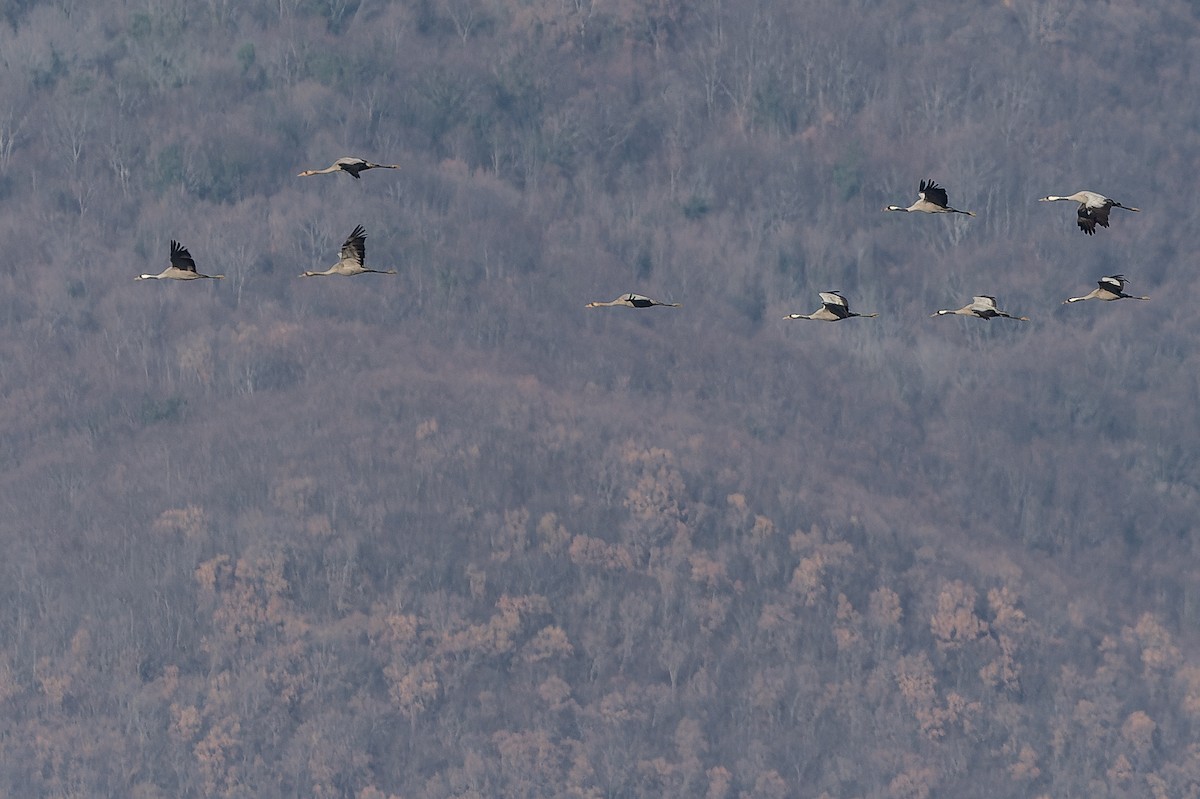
column 931, row 199
column 351, row 258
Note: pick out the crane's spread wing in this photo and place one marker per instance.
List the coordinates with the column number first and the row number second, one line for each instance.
column 638, row 300
column 181, row 258
column 1101, row 214
column 983, row 304
column 1089, row 217
column 835, row 303
column 1113, row 283
column 354, row 249
column 352, row 166
column 1087, row 222
column 833, row 298
column 933, row 193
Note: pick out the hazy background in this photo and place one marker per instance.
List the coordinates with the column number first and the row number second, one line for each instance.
column 449, row 534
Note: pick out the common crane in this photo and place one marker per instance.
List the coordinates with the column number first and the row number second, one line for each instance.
column 1093, row 209
column 1111, row 287
column 631, row 301
column 351, row 165
column 931, row 199
column 983, row 307
column 350, row 260
column 182, row 267
column 834, row 308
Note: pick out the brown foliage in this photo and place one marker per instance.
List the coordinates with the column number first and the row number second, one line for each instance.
column 249, row 526
column 955, row 624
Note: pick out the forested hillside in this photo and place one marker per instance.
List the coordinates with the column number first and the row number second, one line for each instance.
column 450, row 534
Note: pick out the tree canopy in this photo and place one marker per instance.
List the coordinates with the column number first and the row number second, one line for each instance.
column 449, row 534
